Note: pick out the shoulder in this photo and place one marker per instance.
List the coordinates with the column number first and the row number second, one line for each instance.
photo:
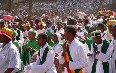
column 77, row 45
column 13, row 48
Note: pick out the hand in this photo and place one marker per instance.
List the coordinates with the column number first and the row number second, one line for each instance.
column 66, row 64
column 56, row 55
column 65, row 47
column 63, row 54
column 33, row 59
column 89, row 54
column 97, row 52
column 30, row 49
column 24, row 49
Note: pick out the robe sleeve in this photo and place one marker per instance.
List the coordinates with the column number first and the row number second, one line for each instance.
column 105, row 57
column 82, row 62
column 46, row 65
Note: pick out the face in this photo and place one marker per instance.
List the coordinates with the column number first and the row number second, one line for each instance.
column 53, row 27
column 3, row 38
column 96, row 39
column 41, row 41
column 100, row 28
column 114, row 32
column 31, row 36
column 1, row 26
column 110, row 29
column 66, row 35
column 54, row 38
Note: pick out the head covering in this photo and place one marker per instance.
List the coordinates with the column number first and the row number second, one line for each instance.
column 27, row 24
column 96, row 33
column 41, row 23
column 32, row 31
column 6, row 32
column 111, row 22
column 1, row 22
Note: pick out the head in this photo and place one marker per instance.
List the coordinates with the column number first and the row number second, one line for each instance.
column 97, row 37
column 55, row 37
column 70, row 32
column 32, row 34
column 5, row 35
column 110, row 28
column 42, row 39
column 114, row 31
column 101, row 27
column 53, row 27
column 4, row 39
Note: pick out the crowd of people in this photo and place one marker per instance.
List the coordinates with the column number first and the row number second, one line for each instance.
column 52, row 45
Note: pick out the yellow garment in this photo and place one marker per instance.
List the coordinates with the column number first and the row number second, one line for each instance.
column 111, row 22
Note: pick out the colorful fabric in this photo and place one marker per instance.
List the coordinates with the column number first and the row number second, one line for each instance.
column 6, row 32
column 67, row 59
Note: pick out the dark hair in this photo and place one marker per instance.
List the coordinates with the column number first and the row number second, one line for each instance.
column 43, row 36
column 102, row 25
column 71, row 29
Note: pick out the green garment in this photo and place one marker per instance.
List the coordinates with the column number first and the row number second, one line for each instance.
column 48, row 33
column 29, row 43
column 51, row 43
column 89, row 42
column 16, row 43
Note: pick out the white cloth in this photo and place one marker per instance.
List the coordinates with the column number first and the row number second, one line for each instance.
column 112, row 60
column 103, row 57
column 21, row 39
column 78, row 55
column 47, row 66
column 9, row 57
column 25, row 34
column 81, row 34
column 40, row 31
column 57, row 48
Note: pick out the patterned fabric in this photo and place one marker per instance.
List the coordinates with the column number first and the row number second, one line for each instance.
column 67, row 59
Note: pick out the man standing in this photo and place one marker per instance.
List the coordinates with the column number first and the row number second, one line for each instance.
column 113, row 61
column 9, row 54
column 73, row 57
column 102, row 50
column 45, row 60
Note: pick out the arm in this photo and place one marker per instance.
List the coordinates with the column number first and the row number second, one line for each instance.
column 82, row 62
column 105, row 57
column 9, row 70
column 47, row 64
column 14, row 60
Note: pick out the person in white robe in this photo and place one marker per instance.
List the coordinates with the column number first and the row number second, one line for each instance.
column 113, row 58
column 102, row 53
column 45, row 59
column 77, row 53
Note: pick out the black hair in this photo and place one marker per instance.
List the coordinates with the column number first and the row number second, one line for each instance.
column 43, row 36
column 71, row 21
column 71, row 29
